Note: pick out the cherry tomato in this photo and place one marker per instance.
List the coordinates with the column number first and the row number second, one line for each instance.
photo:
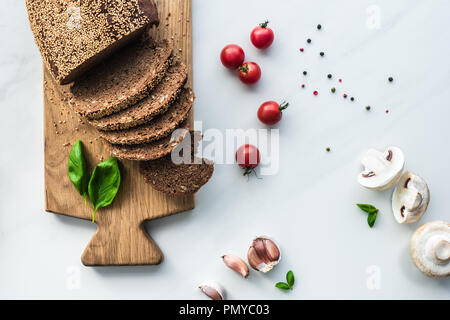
column 271, row 112
column 262, row 37
column 248, row 158
column 249, row 73
column 232, row 56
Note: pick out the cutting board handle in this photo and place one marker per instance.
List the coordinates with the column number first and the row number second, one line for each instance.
column 108, row 248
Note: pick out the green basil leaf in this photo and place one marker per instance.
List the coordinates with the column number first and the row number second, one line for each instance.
column 367, row 208
column 290, row 278
column 104, row 184
column 283, row 286
column 77, row 169
column 371, row 218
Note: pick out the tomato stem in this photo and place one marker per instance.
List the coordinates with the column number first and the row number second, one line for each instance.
column 284, row 106
column 264, row 24
column 248, row 171
column 244, row 68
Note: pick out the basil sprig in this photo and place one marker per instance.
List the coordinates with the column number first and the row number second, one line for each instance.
column 77, row 169
column 371, row 210
column 289, row 284
column 104, row 184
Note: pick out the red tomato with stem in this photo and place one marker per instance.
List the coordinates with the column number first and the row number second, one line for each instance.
column 271, row 112
column 249, row 73
column 232, row 56
column 262, row 36
column 248, row 157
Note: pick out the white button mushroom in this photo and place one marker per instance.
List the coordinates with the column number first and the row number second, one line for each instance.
column 430, row 249
column 381, row 169
column 410, row 198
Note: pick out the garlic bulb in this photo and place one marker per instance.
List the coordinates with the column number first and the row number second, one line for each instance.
column 263, row 254
column 430, row 249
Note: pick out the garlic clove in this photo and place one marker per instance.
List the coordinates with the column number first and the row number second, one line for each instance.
column 236, row 264
column 213, row 290
column 381, row 169
column 430, row 249
column 410, row 198
column 263, row 254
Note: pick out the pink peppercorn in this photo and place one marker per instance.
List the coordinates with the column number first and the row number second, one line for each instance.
column 316, row 93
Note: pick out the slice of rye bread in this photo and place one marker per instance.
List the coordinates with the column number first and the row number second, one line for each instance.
column 158, row 102
column 179, row 179
column 122, row 80
column 149, row 151
column 73, row 36
column 159, row 127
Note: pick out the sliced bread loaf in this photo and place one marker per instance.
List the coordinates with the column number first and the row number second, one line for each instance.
column 159, row 127
column 145, row 110
column 73, row 36
column 148, row 151
column 179, row 179
column 122, row 80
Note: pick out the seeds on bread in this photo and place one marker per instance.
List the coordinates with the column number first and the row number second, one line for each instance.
column 158, row 102
column 122, row 80
column 73, row 36
column 159, row 127
column 149, row 151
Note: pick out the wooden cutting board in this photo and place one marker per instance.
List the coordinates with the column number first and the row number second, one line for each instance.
column 121, row 238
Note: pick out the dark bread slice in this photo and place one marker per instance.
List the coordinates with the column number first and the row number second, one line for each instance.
column 158, row 102
column 159, row 127
column 73, row 36
column 179, row 179
column 122, row 80
column 149, row 151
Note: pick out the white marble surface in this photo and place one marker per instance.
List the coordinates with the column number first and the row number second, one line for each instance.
column 308, row 207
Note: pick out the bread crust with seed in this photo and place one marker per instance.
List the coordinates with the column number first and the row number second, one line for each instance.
column 178, row 179
column 149, row 151
column 158, row 102
column 75, row 35
column 156, row 129
column 122, row 80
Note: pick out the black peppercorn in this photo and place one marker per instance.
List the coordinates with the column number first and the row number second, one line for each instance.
column 309, row 40
column 328, row 149
column 368, row 108
column 329, row 76
column 319, row 27
column 391, row 79
column 352, row 99
column 322, row 54
column 305, row 73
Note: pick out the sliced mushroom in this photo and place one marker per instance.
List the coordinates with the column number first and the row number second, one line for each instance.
column 410, row 198
column 430, row 249
column 381, row 169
